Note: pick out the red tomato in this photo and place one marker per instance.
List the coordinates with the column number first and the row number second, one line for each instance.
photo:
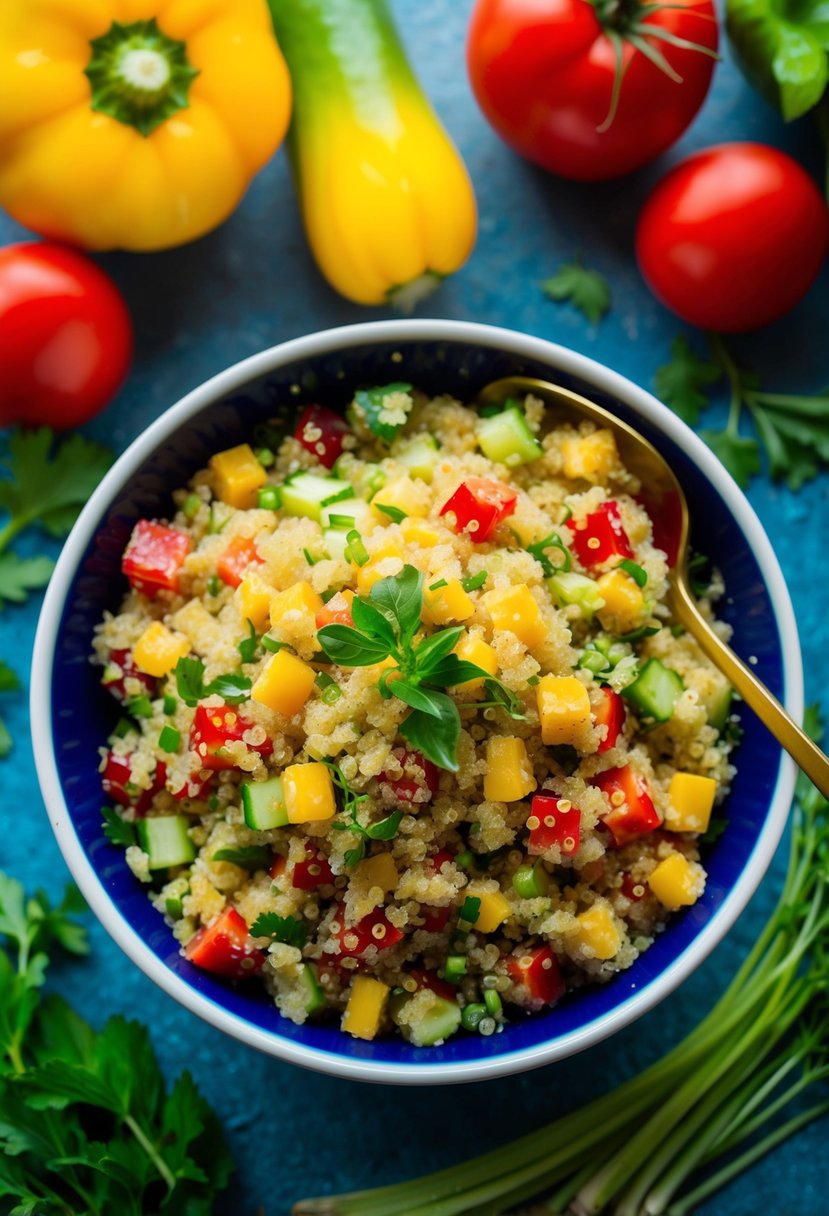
column 733, row 237
column 544, row 74
column 225, row 948
column 120, row 668
column 609, row 711
column 537, row 970
column 313, row 872
column 154, row 556
column 478, row 506
column 419, row 782
column 234, row 561
column 631, row 812
column 600, row 536
column 554, row 821
column 373, row 930
column 65, row 337
column 337, row 611
column 118, row 784
column 213, row 728
column 322, row 432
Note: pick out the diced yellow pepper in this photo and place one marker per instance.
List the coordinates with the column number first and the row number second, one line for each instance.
column 589, row 457
column 365, row 1006
column 475, row 650
column 449, row 603
column 379, row 871
column 563, row 709
column 158, row 650
column 677, row 882
column 402, row 494
column 418, row 532
column 495, row 909
column 597, row 932
column 509, row 775
column 285, row 684
column 624, row 603
column 516, row 609
column 237, row 476
column 254, row 595
column 309, row 792
column 300, row 602
column 690, row 802
column 379, row 566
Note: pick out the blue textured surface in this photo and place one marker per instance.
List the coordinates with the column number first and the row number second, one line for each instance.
column 252, row 284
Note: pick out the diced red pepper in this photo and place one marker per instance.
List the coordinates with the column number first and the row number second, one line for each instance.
column 240, row 554
column 195, row 786
column 118, row 783
column 537, row 970
column 436, row 919
column 314, row 871
column 372, row 930
column 337, row 611
column 632, row 813
column 432, row 981
column 278, row 868
column 609, row 711
column 411, row 787
column 478, row 506
column 440, row 859
column 154, row 556
column 666, row 519
column 634, row 891
column 216, row 726
column 224, row 948
column 554, row 821
column 114, row 680
column 600, row 536
column 322, row 432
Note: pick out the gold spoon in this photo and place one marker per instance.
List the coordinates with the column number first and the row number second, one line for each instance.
column 664, row 493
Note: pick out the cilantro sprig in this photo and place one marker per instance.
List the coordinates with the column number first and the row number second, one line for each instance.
column 9, row 682
column 587, row 290
column 385, row 626
column 792, row 429
column 286, row 929
column 384, row 829
column 86, row 1121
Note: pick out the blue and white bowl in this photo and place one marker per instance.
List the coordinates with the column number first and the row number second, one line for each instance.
column 71, row 715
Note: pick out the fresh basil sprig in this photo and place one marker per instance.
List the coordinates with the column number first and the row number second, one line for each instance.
column 386, row 623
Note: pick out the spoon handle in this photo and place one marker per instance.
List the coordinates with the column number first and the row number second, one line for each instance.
column 803, row 750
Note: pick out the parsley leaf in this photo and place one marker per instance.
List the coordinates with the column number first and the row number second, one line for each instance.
column 9, row 682
column 20, row 575
column 285, row 929
column 190, row 685
column 49, row 484
column 586, row 290
column 370, row 406
column 680, row 383
column 739, row 454
column 117, row 830
column 249, row 856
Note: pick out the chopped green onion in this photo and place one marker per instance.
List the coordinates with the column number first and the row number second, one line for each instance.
column 470, row 908
column 191, row 507
column 215, row 526
column 139, row 707
column 309, row 557
column 635, row 571
column 170, row 739
column 123, row 727
column 376, row 482
column 340, row 521
column 437, row 586
column 492, row 1001
column 265, row 457
column 328, row 594
column 355, row 550
column 475, row 581
column 568, row 514
column 269, row 498
column 471, row 1016
column 464, row 860
column 394, row 513
column 174, row 908
column 273, row 645
column 213, row 585
column 530, row 881
column 329, row 688
column 454, row 969
column 538, row 550
column 170, row 704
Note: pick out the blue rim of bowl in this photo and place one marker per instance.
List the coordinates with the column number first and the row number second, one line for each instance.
column 354, row 1064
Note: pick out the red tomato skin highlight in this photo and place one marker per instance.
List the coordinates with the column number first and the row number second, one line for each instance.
column 733, row 237
column 66, row 337
column 543, row 75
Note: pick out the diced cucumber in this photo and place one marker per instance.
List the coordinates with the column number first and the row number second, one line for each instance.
column 440, row 1021
column 165, row 840
column 372, row 407
column 419, row 455
column 358, row 513
column 264, row 804
column 335, row 541
column 719, row 707
column 507, row 439
column 571, row 588
column 315, row 998
column 308, row 493
column 655, row 691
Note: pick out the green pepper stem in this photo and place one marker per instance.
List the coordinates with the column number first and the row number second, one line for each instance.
column 138, row 75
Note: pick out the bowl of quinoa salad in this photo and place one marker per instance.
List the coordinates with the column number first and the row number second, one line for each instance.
column 406, row 772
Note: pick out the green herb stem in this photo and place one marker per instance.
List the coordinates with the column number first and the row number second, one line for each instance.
column 152, row 1152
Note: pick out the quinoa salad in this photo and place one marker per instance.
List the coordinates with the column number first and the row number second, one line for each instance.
column 408, row 735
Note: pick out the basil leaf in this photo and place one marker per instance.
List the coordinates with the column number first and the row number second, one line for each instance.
column 350, row 648
column 782, row 51
column 368, row 619
column 232, row 688
column 190, row 680
column 501, row 696
column 431, row 651
column 386, row 829
column 424, row 699
column 451, row 670
column 436, row 738
column 248, row 856
column 400, row 598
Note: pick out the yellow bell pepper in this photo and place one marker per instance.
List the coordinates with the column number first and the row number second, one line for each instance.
column 135, row 124
column 387, row 203
column 237, row 476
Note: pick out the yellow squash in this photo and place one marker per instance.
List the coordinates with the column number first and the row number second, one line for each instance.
column 387, row 203
column 135, row 124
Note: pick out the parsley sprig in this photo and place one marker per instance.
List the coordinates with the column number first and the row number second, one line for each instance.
column 587, row 290
column 384, row 829
column 232, row 687
column 286, row 929
column 86, row 1122
column 386, row 624
column 791, row 428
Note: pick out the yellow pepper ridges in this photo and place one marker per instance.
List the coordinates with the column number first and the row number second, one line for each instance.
column 158, row 650
column 364, row 1008
column 285, row 684
column 509, row 775
column 309, row 793
column 238, row 475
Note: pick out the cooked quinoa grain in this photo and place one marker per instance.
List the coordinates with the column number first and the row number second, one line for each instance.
column 410, row 737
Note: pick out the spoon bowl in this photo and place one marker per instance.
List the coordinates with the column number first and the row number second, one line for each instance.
column 665, row 501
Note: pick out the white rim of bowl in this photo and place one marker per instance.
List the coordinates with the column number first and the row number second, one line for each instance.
column 220, row 386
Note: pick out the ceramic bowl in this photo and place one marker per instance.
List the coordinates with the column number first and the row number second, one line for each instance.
column 71, row 715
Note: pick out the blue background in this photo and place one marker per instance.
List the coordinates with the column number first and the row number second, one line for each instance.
column 252, row 284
